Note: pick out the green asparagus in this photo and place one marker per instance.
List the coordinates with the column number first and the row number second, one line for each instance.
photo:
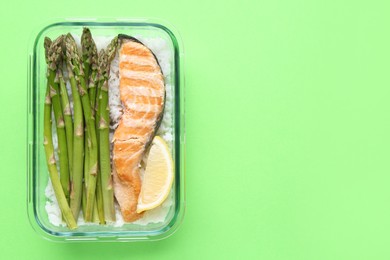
column 74, row 59
column 90, row 66
column 103, row 126
column 99, row 83
column 87, row 132
column 49, row 151
column 90, row 59
column 78, row 132
column 67, row 117
column 54, row 55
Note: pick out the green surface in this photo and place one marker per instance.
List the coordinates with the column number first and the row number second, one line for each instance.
column 288, row 129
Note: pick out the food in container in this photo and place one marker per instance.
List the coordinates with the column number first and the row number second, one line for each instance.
column 129, row 99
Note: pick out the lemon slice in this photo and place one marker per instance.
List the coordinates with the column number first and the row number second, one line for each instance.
column 158, row 176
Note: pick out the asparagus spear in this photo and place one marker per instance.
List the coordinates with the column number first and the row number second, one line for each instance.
column 99, row 200
column 52, row 167
column 86, row 175
column 68, row 119
column 88, row 47
column 78, row 132
column 100, row 80
column 75, row 61
column 49, row 151
column 88, row 50
column 54, row 54
column 99, row 83
column 104, row 121
column 90, row 59
column 95, row 214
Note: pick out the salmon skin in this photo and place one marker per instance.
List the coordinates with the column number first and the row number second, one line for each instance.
column 142, row 92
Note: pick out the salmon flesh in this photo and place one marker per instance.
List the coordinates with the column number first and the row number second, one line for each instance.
column 142, row 92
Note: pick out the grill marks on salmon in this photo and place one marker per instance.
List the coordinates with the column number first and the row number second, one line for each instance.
column 142, row 92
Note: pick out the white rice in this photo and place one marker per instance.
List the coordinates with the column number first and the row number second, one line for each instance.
column 163, row 53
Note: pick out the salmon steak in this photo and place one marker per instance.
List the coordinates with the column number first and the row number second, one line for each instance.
column 142, row 93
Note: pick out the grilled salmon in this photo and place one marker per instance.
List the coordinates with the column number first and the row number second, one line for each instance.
column 142, row 92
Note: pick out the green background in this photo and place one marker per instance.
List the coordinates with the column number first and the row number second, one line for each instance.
column 288, row 129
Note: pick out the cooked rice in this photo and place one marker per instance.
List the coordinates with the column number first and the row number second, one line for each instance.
column 164, row 55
